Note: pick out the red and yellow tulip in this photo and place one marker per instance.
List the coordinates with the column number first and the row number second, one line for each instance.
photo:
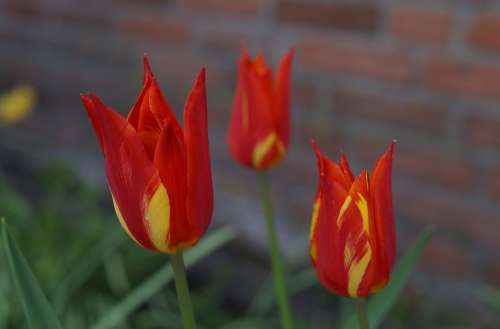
column 352, row 238
column 158, row 172
column 259, row 131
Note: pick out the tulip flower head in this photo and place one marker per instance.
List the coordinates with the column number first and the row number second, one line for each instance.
column 352, row 238
column 259, row 131
column 158, row 172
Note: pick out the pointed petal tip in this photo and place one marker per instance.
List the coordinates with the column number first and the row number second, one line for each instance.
column 202, row 74
column 147, row 67
column 315, row 148
column 87, row 99
column 392, row 146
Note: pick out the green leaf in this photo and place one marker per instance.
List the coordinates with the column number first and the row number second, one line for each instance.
column 90, row 262
column 154, row 283
column 264, row 299
column 250, row 323
column 35, row 304
column 490, row 296
column 381, row 303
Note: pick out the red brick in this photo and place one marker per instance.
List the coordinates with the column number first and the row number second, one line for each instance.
column 435, row 168
column 477, row 224
column 304, row 95
column 141, row 3
column 326, row 55
column 484, row 32
column 492, row 273
column 223, row 39
column 26, row 9
column 154, row 27
column 482, row 131
column 421, row 163
column 33, row 9
column 344, row 16
column 421, row 25
column 445, row 257
column 463, row 78
column 420, row 116
column 493, row 183
column 242, row 7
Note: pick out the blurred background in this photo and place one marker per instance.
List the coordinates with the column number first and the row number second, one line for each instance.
column 425, row 73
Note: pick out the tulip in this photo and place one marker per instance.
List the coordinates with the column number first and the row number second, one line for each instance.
column 259, row 131
column 352, row 238
column 158, row 172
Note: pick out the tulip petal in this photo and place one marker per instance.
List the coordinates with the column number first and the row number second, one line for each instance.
column 344, row 249
column 346, row 169
column 282, row 98
column 132, row 178
column 170, row 159
column 252, row 122
column 381, row 191
column 151, row 112
column 199, row 172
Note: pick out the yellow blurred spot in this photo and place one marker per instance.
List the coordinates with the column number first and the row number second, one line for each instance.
column 17, row 104
column 314, row 222
column 262, row 148
column 157, row 218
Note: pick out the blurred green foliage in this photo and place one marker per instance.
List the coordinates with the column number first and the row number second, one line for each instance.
column 85, row 263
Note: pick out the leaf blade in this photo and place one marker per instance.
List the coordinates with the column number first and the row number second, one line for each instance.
column 35, row 305
column 163, row 276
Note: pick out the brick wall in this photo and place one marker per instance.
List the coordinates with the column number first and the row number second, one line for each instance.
column 426, row 73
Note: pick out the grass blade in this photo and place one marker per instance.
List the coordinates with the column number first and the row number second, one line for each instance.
column 154, row 283
column 89, row 263
column 35, row 305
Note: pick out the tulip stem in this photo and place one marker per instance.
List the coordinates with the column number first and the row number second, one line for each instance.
column 276, row 261
column 361, row 310
column 182, row 288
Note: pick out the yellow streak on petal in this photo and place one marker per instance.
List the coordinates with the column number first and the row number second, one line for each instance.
column 157, row 217
column 122, row 221
column 262, row 148
column 314, row 223
column 343, row 209
column 183, row 245
column 362, row 205
column 357, row 271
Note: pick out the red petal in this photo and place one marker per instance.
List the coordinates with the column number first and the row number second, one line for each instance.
column 131, row 176
column 199, row 172
column 343, row 239
column 151, row 112
column 282, row 98
column 346, row 169
column 381, row 191
column 170, row 160
column 251, row 119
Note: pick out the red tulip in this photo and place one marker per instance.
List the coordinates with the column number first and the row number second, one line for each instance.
column 353, row 241
column 259, row 131
column 158, row 172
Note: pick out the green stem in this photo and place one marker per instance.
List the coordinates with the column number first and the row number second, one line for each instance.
column 276, row 262
column 362, row 317
column 182, row 288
